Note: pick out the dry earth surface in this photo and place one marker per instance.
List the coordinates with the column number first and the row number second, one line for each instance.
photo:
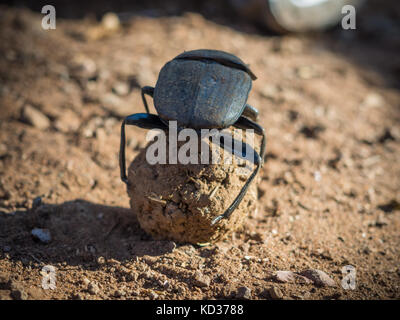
column 329, row 190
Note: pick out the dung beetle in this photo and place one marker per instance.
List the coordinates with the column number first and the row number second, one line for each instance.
column 201, row 89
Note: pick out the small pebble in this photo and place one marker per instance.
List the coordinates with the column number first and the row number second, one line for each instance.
column 307, row 72
column 121, row 88
column 201, row 280
column 307, row 296
column 317, row 176
column 67, row 122
column 270, row 92
column 93, row 288
column 153, row 295
column 43, row 235
column 171, row 246
column 5, row 280
column 320, row 278
column 114, row 104
column 101, row 260
column 3, row 150
column 166, row 284
column 275, row 293
column 243, row 293
column 83, row 67
column 367, row 250
column 77, row 296
column 17, row 292
column 373, row 100
column 110, row 21
column 35, row 118
column 119, row 293
column 289, row 276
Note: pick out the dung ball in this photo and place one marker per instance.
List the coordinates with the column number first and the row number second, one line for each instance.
column 178, row 201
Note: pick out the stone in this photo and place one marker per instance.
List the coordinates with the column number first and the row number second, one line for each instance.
column 307, row 72
column 77, row 296
column 291, row 277
column 83, row 67
column 121, row 88
column 5, row 294
column 35, row 117
column 101, row 260
column 17, row 292
column 373, row 100
column 243, row 293
column 115, row 105
column 320, row 278
column 201, row 280
column 5, row 281
column 110, row 21
column 68, row 122
column 119, row 293
column 42, row 235
column 3, row 150
column 275, row 293
column 93, row 288
column 153, row 295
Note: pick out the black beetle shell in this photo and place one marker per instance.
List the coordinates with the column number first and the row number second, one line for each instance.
column 201, row 93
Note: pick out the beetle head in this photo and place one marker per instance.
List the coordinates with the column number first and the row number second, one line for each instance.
column 218, row 56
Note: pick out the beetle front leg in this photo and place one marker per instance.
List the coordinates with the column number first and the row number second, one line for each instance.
column 149, row 91
column 250, row 112
column 142, row 120
column 244, row 123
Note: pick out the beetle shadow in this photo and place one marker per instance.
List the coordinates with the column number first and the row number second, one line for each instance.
column 81, row 232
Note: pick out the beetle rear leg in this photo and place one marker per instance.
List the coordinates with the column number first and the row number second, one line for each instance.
column 149, row 91
column 142, row 120
column 244, row 123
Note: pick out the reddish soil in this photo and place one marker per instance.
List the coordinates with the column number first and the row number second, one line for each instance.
column 329, row 191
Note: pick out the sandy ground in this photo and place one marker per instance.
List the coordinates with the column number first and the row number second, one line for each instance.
column 329, row 191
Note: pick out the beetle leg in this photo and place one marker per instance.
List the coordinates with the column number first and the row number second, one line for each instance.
column 142, row 120
column 149, row 91
column 244, row 123
column 250, row 112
